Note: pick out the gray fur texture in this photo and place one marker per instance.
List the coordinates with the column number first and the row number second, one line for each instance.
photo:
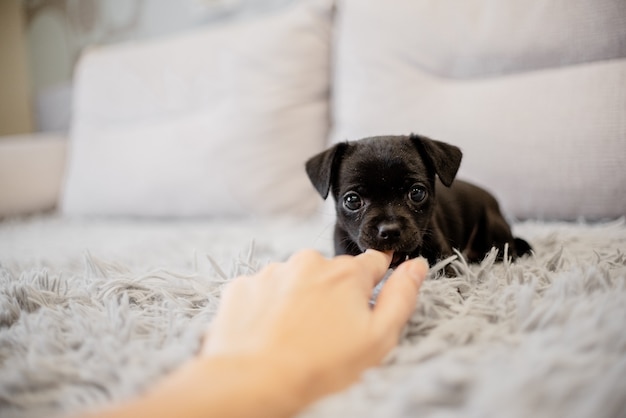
column 94, row 311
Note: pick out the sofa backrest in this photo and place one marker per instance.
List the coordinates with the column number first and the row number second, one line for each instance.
column 534, row 93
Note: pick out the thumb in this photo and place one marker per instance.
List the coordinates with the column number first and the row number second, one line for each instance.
column 396, row 300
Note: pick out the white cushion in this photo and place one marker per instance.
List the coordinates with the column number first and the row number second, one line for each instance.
column 218, row 121
column 551, row 143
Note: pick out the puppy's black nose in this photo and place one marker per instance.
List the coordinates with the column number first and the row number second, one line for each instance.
column 389, row 231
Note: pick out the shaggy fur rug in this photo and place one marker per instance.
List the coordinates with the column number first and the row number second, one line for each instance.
column 95, row 311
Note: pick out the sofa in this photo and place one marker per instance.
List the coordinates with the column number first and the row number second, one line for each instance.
column 184, row 168
column 531, row 93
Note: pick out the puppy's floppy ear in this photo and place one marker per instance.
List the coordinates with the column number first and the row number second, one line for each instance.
column 445, row 158
column 322, row 168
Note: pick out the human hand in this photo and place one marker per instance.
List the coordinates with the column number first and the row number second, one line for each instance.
column 286, row 336
column 310, row 319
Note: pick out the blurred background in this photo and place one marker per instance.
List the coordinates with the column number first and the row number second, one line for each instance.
column 41, row 41
column 532, row 91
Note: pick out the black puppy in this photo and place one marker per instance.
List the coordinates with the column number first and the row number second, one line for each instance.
column 388, row 198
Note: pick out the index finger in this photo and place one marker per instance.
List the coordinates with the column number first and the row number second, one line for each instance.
column 375, row 262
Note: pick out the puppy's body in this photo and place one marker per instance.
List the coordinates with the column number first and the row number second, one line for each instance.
column 398, row 193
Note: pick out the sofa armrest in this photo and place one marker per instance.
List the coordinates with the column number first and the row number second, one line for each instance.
column 31, row 173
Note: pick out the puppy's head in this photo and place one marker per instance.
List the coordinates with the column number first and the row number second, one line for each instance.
column 384, row 188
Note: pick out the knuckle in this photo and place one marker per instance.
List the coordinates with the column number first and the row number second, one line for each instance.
column 304, row 257
column 307, row 254
column 347, row 267
column 269, row 268
column 232, row 288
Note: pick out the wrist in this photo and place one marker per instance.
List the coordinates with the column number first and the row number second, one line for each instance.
column 234, row 386
column 259, row 385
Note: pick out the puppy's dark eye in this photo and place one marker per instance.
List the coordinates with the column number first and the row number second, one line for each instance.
column 352, row 201
column 417, row 193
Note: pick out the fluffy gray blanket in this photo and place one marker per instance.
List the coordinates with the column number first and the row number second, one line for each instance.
column 95, row 311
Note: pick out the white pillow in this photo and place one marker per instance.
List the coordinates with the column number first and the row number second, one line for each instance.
column 218, row 121
column 551, row 142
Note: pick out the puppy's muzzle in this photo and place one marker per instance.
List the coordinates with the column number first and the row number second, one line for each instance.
column 390, row 235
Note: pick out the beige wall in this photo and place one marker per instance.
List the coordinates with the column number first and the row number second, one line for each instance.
column 15, row 103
